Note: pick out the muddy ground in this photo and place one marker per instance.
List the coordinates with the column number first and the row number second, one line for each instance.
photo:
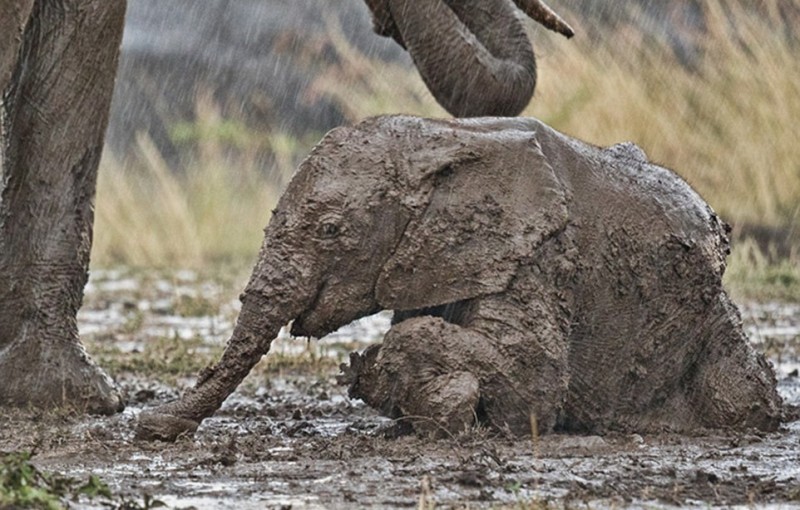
column 290, row 438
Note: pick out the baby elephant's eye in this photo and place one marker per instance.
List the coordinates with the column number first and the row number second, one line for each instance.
column 328, row 230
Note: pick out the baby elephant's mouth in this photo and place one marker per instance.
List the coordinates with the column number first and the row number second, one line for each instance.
column 310, row 322
column 329, row 311
column 309, row 325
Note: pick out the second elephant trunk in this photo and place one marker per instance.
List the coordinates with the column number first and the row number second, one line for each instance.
column 476, row 59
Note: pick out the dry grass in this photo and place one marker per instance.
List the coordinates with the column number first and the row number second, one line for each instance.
column 727, row 125
column 755, row 273
column 150, row 216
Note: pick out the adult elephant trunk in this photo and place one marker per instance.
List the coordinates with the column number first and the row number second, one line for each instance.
column 278, row 291
column 475, row 57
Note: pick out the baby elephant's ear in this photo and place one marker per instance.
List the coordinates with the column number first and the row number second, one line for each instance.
column 481, row 216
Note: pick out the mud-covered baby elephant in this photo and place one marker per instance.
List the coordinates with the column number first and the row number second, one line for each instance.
column 530, row 274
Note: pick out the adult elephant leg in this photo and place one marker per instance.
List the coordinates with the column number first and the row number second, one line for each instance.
column 12, row 25
column 56, row 84
column 474, row 56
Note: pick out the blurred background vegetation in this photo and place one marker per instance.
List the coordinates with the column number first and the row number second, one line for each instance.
column 711, row 89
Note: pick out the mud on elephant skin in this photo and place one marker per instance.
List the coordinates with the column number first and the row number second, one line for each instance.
column 530, row 273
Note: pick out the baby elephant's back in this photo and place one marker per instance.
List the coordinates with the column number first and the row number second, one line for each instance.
column 650, row 298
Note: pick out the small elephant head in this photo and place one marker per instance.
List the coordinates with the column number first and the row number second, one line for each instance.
column 403, row 213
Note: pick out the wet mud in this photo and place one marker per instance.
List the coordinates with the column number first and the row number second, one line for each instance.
column 290, row 438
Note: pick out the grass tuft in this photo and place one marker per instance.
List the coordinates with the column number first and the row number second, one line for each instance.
column 752, row 273
column 165, row 359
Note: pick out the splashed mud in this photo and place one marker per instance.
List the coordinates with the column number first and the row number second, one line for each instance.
column 289, row 437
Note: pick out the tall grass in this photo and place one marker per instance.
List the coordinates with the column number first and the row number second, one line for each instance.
column 149, row 215
column 754, row 272
column 727, row 124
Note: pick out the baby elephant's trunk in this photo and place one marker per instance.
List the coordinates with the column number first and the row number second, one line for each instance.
column 271, row 300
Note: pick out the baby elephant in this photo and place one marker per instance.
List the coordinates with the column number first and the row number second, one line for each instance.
column 530, row 274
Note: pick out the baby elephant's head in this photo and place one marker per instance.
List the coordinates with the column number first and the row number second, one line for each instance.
column 404, row 213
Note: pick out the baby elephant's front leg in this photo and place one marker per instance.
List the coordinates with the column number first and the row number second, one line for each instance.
column 442, row 378
column 413, row 376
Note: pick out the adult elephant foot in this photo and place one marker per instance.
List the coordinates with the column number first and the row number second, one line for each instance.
column 49, row 373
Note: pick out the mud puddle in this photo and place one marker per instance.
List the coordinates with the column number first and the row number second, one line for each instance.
column 290, row 438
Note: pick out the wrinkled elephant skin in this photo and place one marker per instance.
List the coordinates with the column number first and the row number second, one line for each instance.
column 531, row 274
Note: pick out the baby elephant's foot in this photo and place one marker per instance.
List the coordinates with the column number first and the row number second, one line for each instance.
column 441, row 406
column 444, row 406
column 421, row 376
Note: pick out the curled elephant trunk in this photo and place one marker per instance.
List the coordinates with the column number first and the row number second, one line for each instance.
column 475, row 61
column 273, row 297
column 475, row 57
